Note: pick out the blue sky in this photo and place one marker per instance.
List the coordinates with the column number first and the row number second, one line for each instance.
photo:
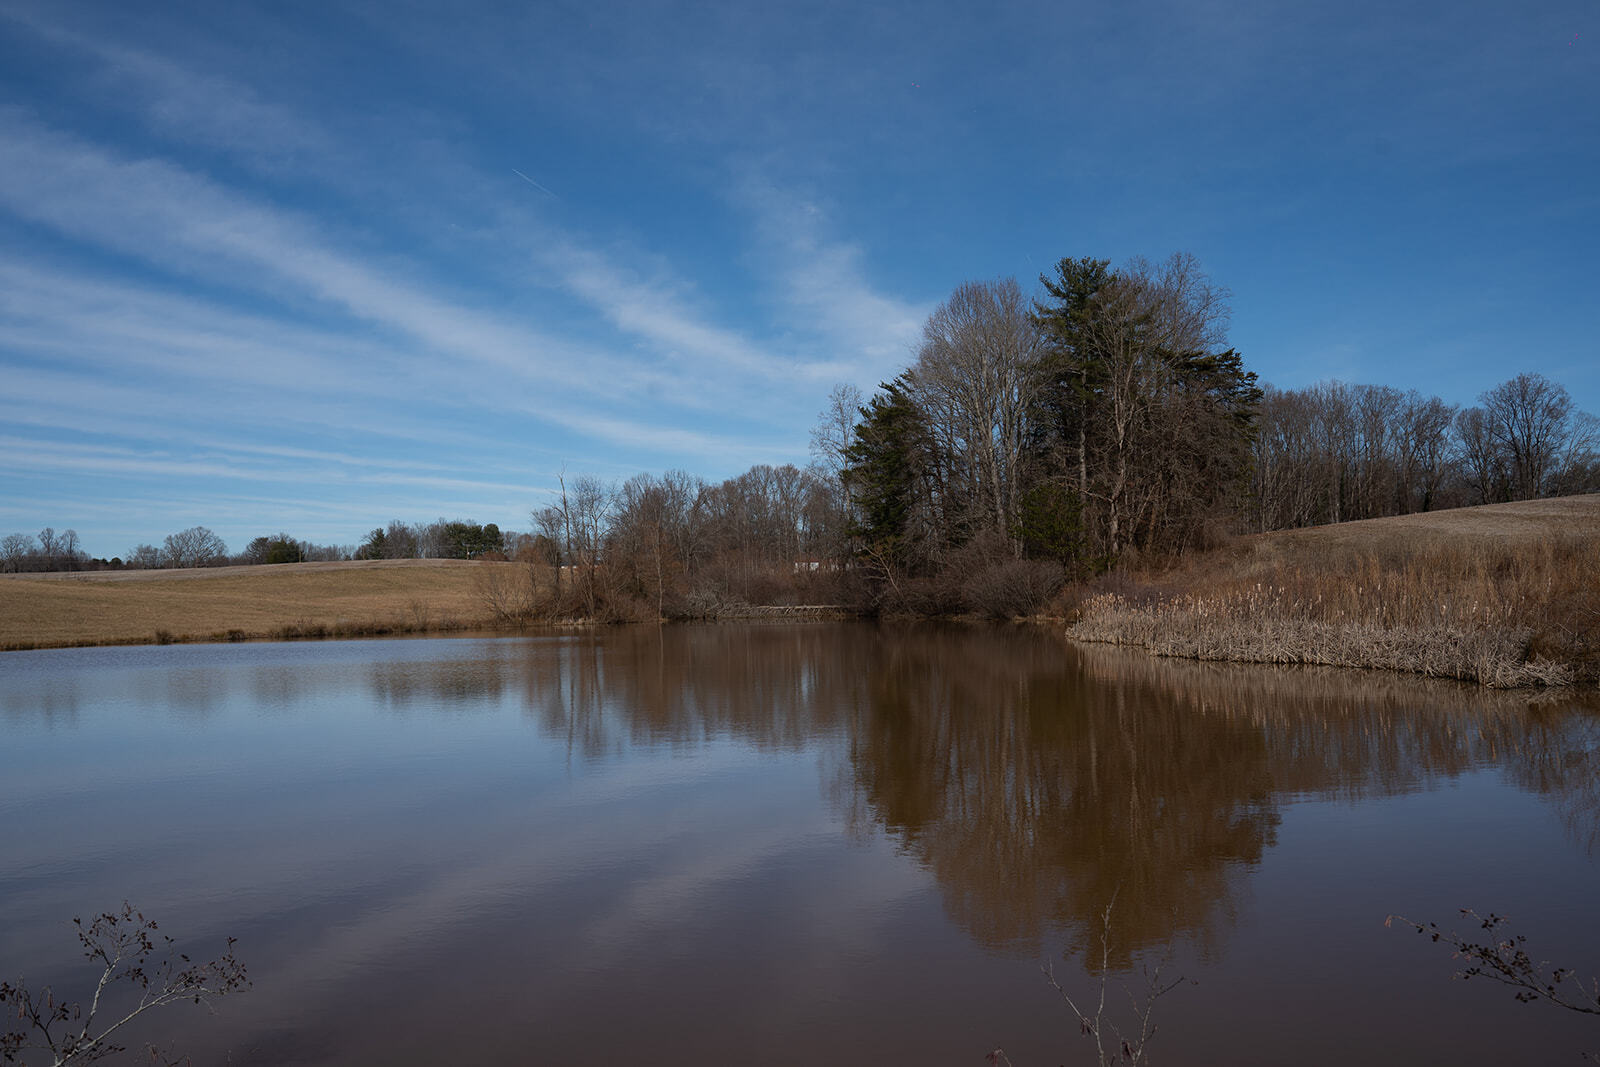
column 316, row 266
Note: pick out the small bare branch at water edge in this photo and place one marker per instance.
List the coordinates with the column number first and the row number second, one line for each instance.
column 1113, row 1044
column 124, row 943
column 1504, row 958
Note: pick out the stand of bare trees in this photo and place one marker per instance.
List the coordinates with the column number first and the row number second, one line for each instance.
column 1336, row 452
column 674, row 546
column 51, row 551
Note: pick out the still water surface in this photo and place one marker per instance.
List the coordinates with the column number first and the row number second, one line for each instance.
column 794, row 845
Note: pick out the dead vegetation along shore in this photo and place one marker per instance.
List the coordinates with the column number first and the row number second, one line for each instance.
column 1505, row 595
column 285, row 601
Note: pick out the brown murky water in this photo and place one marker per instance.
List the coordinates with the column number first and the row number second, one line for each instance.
column 835, row 843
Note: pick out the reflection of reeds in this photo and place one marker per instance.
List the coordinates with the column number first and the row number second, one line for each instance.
column 1499, row 612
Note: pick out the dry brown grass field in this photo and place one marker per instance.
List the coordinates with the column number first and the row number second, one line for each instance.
column 1504, row 595
column 239, row 603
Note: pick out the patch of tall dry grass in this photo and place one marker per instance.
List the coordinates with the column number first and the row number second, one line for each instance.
column 1499, row 611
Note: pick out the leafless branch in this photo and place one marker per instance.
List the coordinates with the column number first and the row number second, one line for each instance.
column 126, row 946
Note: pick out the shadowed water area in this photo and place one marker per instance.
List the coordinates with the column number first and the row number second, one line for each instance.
column 795, row 844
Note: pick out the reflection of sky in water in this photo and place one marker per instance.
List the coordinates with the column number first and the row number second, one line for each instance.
column 797, row 839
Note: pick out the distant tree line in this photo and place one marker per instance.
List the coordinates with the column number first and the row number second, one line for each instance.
column 194, row 547
column 50, row 551
column 1335, row 452
column 442, row 539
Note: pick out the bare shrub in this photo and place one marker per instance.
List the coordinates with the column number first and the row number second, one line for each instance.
column 1013, row 588
column 504, row 591
column 124, row 943
column 1503, row 958
column 1114, row 1043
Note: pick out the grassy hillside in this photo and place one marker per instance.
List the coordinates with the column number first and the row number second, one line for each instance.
column 235, row 603
column 1504, row 595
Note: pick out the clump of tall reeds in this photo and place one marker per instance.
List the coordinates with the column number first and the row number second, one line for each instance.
column 1491, row 611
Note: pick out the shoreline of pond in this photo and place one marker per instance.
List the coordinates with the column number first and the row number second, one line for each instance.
column 1163, row 631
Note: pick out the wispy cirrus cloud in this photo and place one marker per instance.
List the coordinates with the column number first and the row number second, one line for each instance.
column 185, row 104
column 175, row 219
column 822, row 281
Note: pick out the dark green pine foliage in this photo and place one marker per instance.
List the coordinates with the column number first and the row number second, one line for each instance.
column 468, row 540
column 1050, row 525
column 883, row 472
column 1071, row 372
column 1181, row 452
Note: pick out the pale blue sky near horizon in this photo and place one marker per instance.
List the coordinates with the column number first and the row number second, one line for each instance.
column 313, row 267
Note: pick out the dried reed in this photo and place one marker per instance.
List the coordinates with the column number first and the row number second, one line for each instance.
column 1500, row 611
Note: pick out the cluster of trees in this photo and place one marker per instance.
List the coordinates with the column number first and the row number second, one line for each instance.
column 673, row 544
column 50, row 551
column 197, row 546
column 282, row 548
column 1335, row 452
column 200, row 547
column 442, row 539
column 1107, row 417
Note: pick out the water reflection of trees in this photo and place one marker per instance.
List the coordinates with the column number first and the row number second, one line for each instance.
column 1034, row 778
column 1350, row 734
column 771, row 686
column 440, row 685
column 1034, row 791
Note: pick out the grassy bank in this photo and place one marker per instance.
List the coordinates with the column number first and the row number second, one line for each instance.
column 241, row 603
column 1505, row 595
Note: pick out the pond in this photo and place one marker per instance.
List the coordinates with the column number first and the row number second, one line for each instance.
column 796, row 844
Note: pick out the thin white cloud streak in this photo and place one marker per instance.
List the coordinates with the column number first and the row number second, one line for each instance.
column 164, row 214
column 110, row 325
column 822, row 282
column 84, row 404
column 36, row 456
column 662, row 438
column 654, row 313
column 195, row 108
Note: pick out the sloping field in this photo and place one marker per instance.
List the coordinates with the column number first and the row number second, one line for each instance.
column 1504, row 595
column 235, row 603
column 1526, row 522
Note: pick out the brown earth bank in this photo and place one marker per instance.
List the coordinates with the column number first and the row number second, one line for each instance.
column 1504, row 595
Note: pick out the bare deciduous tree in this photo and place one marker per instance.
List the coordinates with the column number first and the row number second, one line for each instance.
column 1529, row 419
column 194, row 547
column 145, row 557
column 973, row 379
column 836, row 427
column 14, row 550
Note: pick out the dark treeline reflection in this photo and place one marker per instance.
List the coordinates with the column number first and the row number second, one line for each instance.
column 1350, row 734
column 1035, row 791
column 1035, row 778
column 774, row 686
